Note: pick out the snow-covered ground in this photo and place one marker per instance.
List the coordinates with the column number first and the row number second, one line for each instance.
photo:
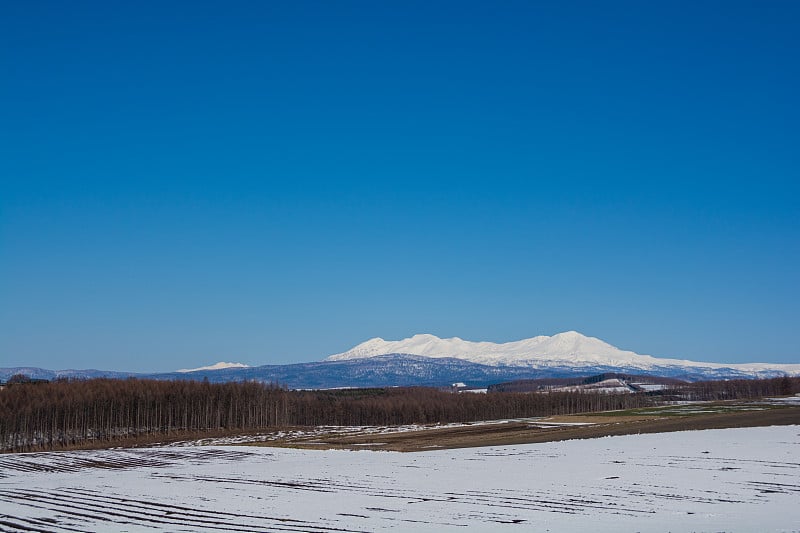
column 716, row 480
column 609, row 386
column 309, row 434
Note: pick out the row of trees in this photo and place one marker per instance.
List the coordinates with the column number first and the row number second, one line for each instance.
column 738, row 389
column 73, row 413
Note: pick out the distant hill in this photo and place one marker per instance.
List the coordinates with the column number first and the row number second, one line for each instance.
column 632, row 383
column 379, row 371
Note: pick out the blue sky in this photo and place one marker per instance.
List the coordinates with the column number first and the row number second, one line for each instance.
column 272, row 183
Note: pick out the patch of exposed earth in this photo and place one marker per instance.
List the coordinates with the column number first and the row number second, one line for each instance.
column 548, row 429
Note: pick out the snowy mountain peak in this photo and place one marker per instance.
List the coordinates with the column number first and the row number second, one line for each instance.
column 569, row 349
column 567, row 346
column 570, row 333
column 216, row 366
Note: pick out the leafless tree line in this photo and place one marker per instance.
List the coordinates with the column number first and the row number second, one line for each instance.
column 738, row 389
column 35, row 416
column 65, row 414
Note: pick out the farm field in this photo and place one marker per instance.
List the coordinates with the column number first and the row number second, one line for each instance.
column 738, row 479
column 416, row 438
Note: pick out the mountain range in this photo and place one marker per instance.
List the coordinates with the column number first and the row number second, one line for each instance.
column 571, row 349
column 432, row 361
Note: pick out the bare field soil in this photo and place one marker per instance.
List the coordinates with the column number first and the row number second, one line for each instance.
column 552, row 429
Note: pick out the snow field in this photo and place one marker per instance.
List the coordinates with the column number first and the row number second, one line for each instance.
column 744, row 479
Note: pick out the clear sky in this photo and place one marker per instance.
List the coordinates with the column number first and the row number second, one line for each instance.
column 270, row 182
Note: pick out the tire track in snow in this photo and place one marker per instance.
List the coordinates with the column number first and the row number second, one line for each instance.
column 558, row 503
column 109, row 509
column 54, row 462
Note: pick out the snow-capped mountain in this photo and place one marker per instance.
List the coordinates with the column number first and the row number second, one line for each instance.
column 216, row 366
column 431, row 361
column 568, row 349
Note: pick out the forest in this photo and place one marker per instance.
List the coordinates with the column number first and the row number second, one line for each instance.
column 71, row 414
